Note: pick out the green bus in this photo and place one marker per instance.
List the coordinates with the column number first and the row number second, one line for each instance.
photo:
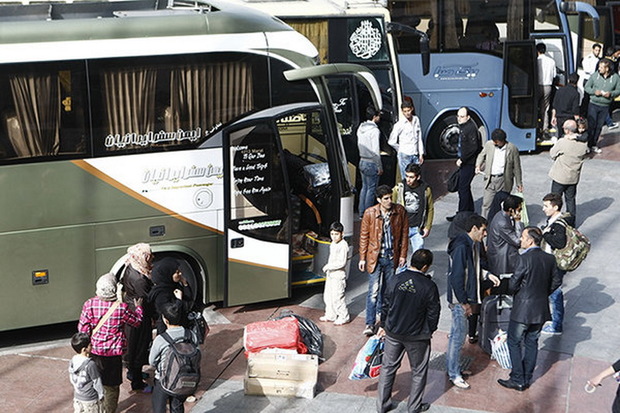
column 203, row 129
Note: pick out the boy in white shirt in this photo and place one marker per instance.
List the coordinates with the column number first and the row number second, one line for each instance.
column 336, row 277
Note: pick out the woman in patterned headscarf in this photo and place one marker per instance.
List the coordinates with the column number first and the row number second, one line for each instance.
column 109, row 341
column 137, row 284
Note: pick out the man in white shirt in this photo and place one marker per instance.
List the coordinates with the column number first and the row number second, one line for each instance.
column 590, row 61
column 546, row 74
column 406, row 138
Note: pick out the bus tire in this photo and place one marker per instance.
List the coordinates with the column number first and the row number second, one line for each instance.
column 442, row 141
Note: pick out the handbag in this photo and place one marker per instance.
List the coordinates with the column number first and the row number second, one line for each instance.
column 198, row 325
column 453, row 180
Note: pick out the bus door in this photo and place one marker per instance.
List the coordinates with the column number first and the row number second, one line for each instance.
column 257, row 224
column 520, row 99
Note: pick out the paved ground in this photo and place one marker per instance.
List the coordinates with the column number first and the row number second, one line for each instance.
column 34, row 379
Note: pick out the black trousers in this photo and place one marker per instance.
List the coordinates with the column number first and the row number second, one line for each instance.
column 160, row 399
column 466, row 199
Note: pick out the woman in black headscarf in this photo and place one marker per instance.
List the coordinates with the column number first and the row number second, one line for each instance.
column 170, row 286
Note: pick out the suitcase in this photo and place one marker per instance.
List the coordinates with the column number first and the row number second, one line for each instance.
column 494, row 315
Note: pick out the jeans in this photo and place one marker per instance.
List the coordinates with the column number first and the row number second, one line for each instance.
column 466, row 199
column 404, row 160
column 556, row 299
column 376, row 285
column 458, row 330
column 570, row 193
column 415, row 242
column 523, row 361
column 418, row 353
column 370, row 179
column 596, row 120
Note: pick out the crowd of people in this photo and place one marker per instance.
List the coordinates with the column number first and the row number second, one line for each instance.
column 115, row 329
column 402, row 302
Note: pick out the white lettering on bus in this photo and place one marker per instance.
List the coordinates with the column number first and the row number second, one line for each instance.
column 250, row 225
column 455, row 72
column 156, row 176
column 151, row 138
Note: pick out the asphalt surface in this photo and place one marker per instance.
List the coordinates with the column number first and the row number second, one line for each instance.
column 33, row 377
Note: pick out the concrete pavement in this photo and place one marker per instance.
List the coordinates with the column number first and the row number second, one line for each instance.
column 35, row 379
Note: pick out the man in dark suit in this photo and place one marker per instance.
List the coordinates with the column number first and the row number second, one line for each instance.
column 504, row 237
column 470, row 145
column 534, row 279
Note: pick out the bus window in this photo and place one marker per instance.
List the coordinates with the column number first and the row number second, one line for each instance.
column 155, row 103
column 258, row 197
column 42, row 113
column 520, row 67
column 546, row 16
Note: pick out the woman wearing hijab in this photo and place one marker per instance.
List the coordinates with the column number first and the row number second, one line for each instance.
column 170, row 287
column 109, row 342
column 137, row 284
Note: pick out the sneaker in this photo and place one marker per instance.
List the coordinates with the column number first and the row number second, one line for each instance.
column 550, row 330
column 341, row 321
column 614, row 125
column 472, row 340
column 369, row 330
column 596, row 149
column 325, row 319
column 460, row 383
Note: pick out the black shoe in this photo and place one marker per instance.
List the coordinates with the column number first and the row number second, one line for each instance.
column 472, row 340
column 423, row 407
column 509, row 384
column 450, row 219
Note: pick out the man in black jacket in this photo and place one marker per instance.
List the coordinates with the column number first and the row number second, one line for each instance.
column 503, row 239
column 409, row 316
column 534, row 279
column 469, row 147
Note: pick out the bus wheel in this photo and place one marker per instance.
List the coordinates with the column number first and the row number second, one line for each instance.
column 442, row 141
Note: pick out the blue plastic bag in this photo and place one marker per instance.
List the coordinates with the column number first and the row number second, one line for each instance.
column 368, row 361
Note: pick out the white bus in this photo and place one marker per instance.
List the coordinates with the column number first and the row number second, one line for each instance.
column 205, row 130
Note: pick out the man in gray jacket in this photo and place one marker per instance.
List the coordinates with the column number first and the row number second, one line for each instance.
column 501, row 164
column 368, row 135
column 568, row 154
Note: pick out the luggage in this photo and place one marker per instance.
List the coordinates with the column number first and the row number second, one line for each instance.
column 180, row 367
column 494, row 315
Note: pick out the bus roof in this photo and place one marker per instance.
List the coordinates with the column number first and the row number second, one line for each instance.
column 121, row 20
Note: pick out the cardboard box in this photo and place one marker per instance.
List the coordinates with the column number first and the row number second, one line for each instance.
column 256, row 386
column 283, row 366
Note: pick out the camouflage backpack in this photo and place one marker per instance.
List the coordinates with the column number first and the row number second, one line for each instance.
column 575, row 251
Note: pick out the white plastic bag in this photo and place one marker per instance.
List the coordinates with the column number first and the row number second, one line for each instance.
column 499, row 350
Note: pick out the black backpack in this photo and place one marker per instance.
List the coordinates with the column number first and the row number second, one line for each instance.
column 180, row 369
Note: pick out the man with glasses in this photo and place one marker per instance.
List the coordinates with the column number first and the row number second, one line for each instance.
column 500, row 162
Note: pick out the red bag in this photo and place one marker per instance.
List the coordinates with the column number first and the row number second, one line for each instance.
column 283, row 333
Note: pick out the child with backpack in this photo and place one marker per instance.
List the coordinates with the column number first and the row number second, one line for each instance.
column 336, row 277
column 176, row 358
column 85, row 377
